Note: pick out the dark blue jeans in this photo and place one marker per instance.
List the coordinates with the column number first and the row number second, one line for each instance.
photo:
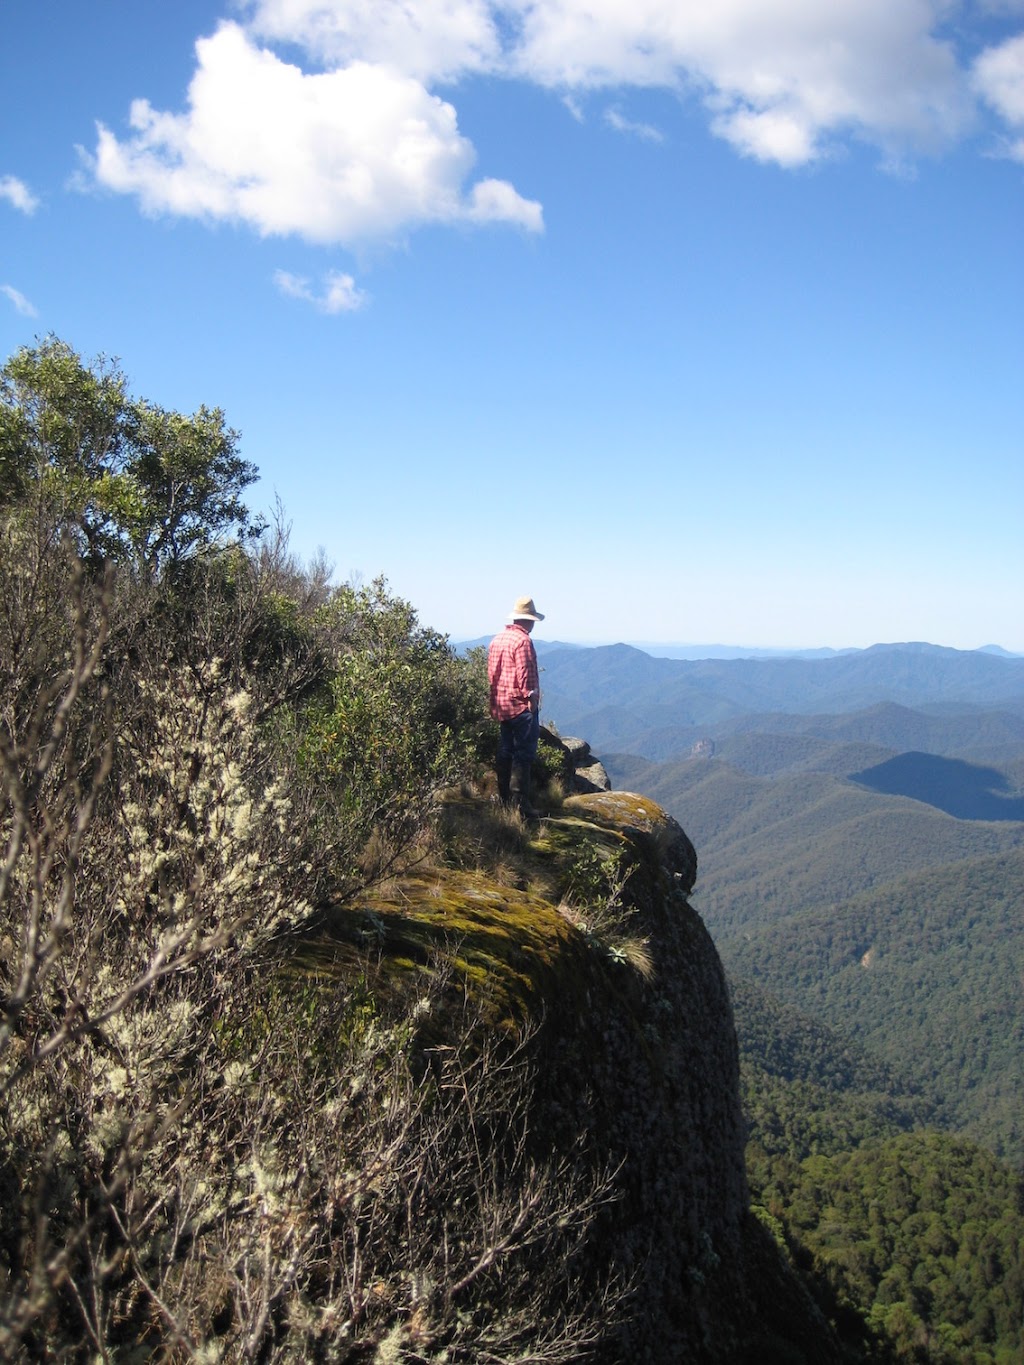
column 517, row 739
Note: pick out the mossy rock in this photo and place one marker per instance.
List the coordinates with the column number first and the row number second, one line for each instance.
column 507, row 951
column 663, row 838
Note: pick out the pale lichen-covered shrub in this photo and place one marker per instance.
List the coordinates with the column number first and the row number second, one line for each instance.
column 131, row 905
column 204, row 1152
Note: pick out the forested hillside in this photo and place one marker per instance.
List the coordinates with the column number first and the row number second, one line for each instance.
column 863, row 875
column 926, row 974
column 809, row 1088
column 770, row 846
column 884, row 917
column 969, row 791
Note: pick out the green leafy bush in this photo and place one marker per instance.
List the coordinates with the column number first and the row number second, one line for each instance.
column 130, row 480
column 392, row 726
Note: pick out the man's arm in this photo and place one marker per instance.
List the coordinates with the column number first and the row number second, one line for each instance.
column 531, row 676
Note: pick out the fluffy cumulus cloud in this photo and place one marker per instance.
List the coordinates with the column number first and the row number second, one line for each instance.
column 17, row 193
column 999, row 79
column 355, row 143
column 355, row 153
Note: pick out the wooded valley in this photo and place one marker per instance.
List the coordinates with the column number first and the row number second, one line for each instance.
column 858, row 822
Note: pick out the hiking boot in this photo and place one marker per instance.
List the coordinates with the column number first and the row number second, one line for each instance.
column 521, row 790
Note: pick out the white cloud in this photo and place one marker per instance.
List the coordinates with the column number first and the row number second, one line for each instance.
column 338, row 157
column 617, row 120
column 779, row 76
column 432, row 40
column 999, row 79
column 353, row 145
column 339, row 294
column 16, row 192
column 19, row 300
column 782, row 78
column 495, row 201
column 774, row 135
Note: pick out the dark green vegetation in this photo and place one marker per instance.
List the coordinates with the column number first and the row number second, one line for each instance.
column 911, row 1239
column 921, row 1234
column 863, row 876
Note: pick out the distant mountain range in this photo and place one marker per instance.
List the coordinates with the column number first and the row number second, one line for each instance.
column 658, row 650
column 622, row 698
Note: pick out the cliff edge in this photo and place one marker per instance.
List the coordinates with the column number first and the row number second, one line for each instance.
column 579, row 947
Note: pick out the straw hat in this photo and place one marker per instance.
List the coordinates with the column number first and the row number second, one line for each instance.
column 524, row 610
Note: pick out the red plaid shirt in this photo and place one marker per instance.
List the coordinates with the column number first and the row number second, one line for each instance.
column 512, row 670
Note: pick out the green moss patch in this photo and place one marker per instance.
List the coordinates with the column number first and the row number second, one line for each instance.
column 660, row 835
column 509, row 950
column 500, row 927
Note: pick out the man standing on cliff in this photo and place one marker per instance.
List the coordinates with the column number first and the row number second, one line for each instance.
column 515, row 702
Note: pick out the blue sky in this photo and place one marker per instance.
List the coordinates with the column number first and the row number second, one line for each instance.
column 696, row 322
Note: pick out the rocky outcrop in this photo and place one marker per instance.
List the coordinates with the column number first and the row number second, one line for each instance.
column 653, row 1073
column 582, row 770
column 636, row 1065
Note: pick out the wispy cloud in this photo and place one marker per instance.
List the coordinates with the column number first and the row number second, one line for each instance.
column 19, row 300
column 16, row 192
column 338, row 295
column 646, row 131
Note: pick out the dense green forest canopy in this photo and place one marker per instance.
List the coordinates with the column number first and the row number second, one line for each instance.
column 922, row 1230
column 910, row 1239
column 926, row 975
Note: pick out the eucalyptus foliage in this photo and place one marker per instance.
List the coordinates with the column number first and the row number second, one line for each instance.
column 132, row 480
